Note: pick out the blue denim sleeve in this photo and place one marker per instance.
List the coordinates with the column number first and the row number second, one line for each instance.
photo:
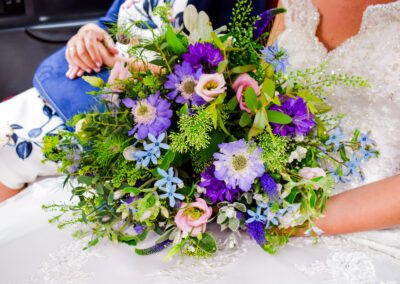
column 111, row 16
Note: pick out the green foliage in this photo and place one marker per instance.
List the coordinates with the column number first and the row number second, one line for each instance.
column 194, row 132
column 275, row 153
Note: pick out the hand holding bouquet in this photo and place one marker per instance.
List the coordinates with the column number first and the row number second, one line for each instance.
column 222, row 134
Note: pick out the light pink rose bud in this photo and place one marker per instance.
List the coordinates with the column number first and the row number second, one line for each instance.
column 240, row 85
column 210, row 86
column 192, row 218
column 310, row 173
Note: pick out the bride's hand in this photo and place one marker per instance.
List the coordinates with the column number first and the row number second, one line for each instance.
column 83, row 51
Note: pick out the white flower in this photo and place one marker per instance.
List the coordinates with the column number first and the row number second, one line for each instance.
column 200, row 189
column 292, row 218
column 299, row 138
column 299, row 154
column 210, row 86
column 6, row 132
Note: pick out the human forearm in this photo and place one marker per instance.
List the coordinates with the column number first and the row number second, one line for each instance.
column 373, row 206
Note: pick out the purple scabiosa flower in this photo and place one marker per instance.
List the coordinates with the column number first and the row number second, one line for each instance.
column 260, row 26
column 151, row 115
column 216, row 189
column 276, row 56
column 302, row 119
column 183, row 83
column 203, row 55
column 256, row 230
column 238, row 164
column 270, row 187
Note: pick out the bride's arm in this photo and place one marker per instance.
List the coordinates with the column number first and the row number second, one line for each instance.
column 370, row 207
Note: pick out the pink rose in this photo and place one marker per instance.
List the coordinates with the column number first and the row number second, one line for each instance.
column 210, row 86
column 240, row 85
column 119, row 72
column 192, row 218
column 310, row 173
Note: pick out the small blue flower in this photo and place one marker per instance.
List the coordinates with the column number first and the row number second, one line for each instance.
column 276, row 56
column 335, row 138
column 367, row 154
column 272, row 216
column 143, row 158
column 339, row 178
column 364, row 139
column 170, row 193
column 353, row 166
column 156, row 144
column 168, row 179
column 255, row 216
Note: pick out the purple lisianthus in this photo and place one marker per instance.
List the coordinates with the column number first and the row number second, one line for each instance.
column 302, row 119
column 203, row 55
column 216, row 189
column 183, row 83
column 260, row 26
column 256, row 230
column 238, row 165
column 270, row 187
column 151, row 115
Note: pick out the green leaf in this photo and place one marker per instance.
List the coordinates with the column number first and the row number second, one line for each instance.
column 85, row 180
column 184, row 110
column 110, row 199
column 173, row 41
column 135, row 191
column 129, row 240
column 292, row 195
column 92, row 243
column 278, row 117
column 222, row 125
column 157, row 62
column 313, row 199
column 268, row 88
column 343, row 154
column 232, row 104
column 260, row 120
column 240, row 206
column 245, row 119
column 222, row 66
column 250, row 98
column 167, row 160
column 96, row 82
column 99, row 188
column 79, row 190
column 243, row 69
column 217, row 41
column 173, row 251
column 221, row 218
column 207, row 243
column 234, row 224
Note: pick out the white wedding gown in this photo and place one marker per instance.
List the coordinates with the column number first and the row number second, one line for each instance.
column 32, row 251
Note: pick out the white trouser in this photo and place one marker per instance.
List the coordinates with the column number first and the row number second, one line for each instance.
column 24, row 121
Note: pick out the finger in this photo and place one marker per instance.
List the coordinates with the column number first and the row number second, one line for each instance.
column 108, row 59
column 72, row 73
column 109, row 43
column 76, row 61
column 84, row 56
column 139, row 66
column 91, row 43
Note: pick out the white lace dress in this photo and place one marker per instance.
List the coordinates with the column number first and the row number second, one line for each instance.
column 31, row 251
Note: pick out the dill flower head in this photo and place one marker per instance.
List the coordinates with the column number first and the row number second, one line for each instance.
column 238, row 164
column 274, row 153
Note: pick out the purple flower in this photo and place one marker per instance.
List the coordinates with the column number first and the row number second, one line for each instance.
column 182, row 83
column 302, row 119
column 256, row 230
column 151, row 115
column 238, row 164
column 276, row 56
column 261, row 25
column 270, row 187
column 139, row 229
column 216, row 189
column 203, row 55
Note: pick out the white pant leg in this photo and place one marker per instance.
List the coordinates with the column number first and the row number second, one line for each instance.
column 21, row 158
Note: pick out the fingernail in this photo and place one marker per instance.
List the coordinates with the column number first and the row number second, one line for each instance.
column 88, row 71
column 67, row 74
column 97, row 70
column 80, row 73
column 98, row 64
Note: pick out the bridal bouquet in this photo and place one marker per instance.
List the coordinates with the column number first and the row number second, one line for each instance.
column 221, row 134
